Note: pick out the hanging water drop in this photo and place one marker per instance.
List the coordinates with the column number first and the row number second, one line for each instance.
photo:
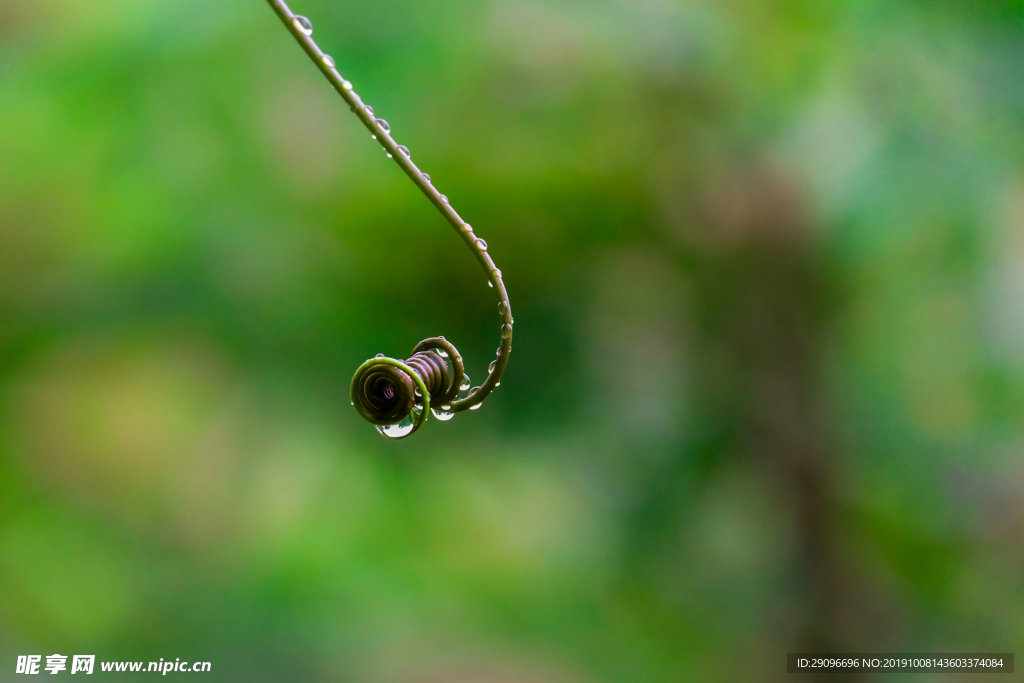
column 397, row 431
column 404, row 150
column 477, row 406
column 444, row 199
column 490, row 368
column 502, row 307
column 369, row 109
column 384, row 125
column 426, row 177
column 465, row 383
column 481, row 243
column 490, row 284
column 467, row 227
column 329, row 61
column 304, row 25
column 442, row 415
column 506, row 331
column 442, row 353
column 389, row 155
column 346, row 85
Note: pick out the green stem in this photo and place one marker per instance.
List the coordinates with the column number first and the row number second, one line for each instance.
column 383, row 136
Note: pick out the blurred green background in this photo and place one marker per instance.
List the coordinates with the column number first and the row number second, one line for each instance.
column 767, row 265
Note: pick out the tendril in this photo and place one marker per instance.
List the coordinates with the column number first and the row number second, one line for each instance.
column 397, row 395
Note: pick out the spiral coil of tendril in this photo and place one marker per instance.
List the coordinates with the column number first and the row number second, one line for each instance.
column 397, row 395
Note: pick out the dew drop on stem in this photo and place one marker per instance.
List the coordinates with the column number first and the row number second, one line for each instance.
column 304, row 25
column 397, row 431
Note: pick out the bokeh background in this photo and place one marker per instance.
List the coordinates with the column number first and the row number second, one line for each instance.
column 767, row 265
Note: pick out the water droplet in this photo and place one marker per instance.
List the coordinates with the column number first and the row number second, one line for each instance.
column 506, row 331
column 351, row 403
column 497, row 384
column 374, row 137
column 346, row 85
column 442, row 415
column 496, row 273
column 502, row 306
column 481, row 243
column 416, row 392
column 384, row 125
column 490, row 368
column 438, row 337
column 490, row 284
column 329, row 61
column 369, row 109
column 304, row 25
column 389, row 155
column 442, row 353
column 397, row 431
column 478, row 405
column 379, row 355
column 465, row 383
column 404, row 150
column 444, row 199
column 467, row 227
column 498, row 352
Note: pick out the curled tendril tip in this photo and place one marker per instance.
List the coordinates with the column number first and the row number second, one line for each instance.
column 397, row 395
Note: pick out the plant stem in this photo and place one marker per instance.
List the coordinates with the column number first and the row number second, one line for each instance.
column 383, row 136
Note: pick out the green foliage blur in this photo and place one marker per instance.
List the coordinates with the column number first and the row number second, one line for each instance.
column 766, row 261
